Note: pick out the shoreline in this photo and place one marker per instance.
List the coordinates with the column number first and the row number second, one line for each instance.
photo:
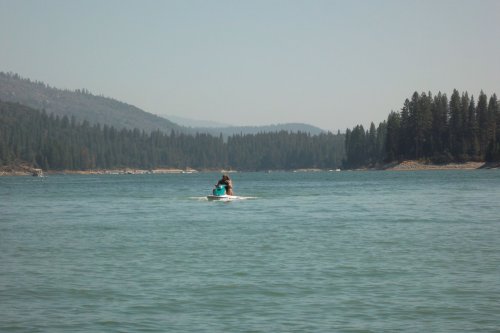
column 420, row 166
column 27, row 171
column 401, row 166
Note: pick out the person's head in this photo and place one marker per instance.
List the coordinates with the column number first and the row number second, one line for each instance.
column 225, row 177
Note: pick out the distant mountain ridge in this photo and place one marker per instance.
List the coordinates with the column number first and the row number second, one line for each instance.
column 195, row 123
column 85, row 106
column 235, row 130
column 81, row 104
column 216, row 128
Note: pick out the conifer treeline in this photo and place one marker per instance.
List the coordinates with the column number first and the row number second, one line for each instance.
column 430, row 128
column 427, row 128
column 51, row 142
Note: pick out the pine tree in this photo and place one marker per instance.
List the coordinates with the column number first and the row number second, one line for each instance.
column 371, row 140
column 406, row 133
column 456, row 126
column 483, row 122
column 393, row 137
column 493, row 150
column 439, row 131
column 381, row 140
column 472, row 131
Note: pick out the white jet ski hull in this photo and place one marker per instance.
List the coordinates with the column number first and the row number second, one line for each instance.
column 224, row 197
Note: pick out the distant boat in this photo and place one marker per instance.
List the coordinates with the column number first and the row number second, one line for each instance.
column 189, row 171
column 37, row 173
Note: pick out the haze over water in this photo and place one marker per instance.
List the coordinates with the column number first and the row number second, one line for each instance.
column 314, row 252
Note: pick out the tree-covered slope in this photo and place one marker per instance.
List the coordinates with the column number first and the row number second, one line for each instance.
column 433, row 128
column 83, row 105
column 51, row 142
column 80, row 104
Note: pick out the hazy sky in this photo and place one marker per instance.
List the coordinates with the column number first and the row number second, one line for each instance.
column 332, row 64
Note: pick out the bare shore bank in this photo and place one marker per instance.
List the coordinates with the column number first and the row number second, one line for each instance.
column 402, row 166
column 27, row 171
column 420, row 165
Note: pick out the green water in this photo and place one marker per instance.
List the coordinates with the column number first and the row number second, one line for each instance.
column 309, row 252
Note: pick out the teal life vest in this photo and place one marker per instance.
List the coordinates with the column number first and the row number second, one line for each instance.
column 219, row 190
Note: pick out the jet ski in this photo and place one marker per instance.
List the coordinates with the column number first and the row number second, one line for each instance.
column 219, row 193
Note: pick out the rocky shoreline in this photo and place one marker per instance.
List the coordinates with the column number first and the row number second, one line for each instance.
column 25, row 170
column 419, row 165
column 29, row 171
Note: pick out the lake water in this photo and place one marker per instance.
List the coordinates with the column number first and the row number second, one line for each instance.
column 310, row 252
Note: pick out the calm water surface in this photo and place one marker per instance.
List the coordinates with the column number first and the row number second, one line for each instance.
column 310, row 252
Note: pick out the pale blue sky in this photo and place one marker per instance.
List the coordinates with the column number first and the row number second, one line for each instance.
column 332, row 64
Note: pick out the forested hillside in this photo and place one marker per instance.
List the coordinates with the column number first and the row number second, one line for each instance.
column 80, row 104
column 430, row 128
column 83, row 105
column 53, row 142
column 111, row 134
